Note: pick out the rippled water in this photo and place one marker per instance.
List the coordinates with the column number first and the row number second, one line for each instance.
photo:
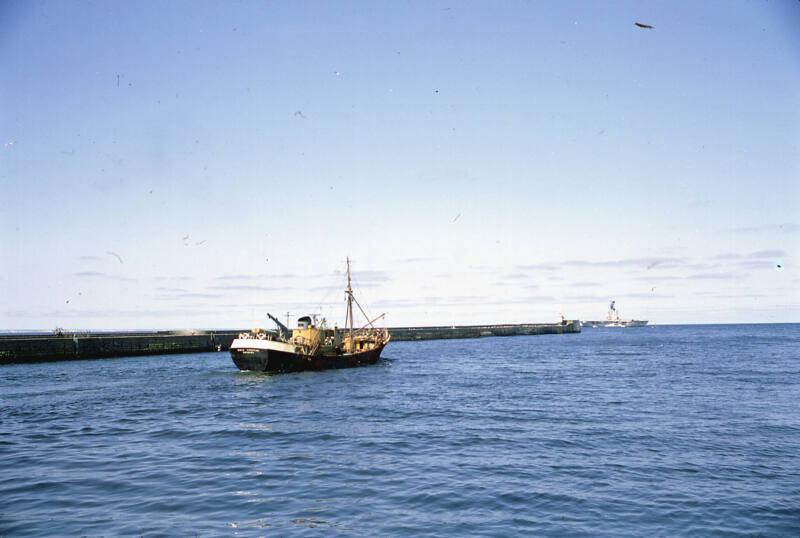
column 661, row 431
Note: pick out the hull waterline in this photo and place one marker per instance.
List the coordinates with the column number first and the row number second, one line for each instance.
column 271, row 360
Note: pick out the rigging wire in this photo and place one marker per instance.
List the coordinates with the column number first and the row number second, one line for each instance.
column 364, row 297
column 322, row 302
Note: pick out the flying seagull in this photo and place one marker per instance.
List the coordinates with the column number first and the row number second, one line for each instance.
column 642, row 25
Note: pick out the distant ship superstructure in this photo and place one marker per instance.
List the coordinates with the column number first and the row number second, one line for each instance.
column 613, row 320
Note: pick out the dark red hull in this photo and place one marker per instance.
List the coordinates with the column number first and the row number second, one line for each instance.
column 262, row 360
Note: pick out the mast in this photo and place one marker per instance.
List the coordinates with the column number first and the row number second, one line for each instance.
column 349, row 316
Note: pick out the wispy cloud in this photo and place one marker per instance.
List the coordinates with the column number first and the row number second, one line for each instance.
column 431, row 301
column 704, row 269
column 605, row 299
column 372, row 277
column 510, row 279
column 244, row 287
column 528, row 299
column 699, row 202
column 189, row 295
column 727, row 256
column 585, row 299
column 420, row 259
column 173, row 290
column 538, row 267
column 172, row 278
column 425, row 301
column 260, row 276
column 102, row 276
column 483, row 269
column 756, row 264
column 787, row 227
column 89, row 258
column 644, row 263
column 774, row 253
column 704, row 266
column 114, row 314
column 715, row 276
column 459, row 300
column 246, row 305
column 659, row 278
column 645, row 295
column 340, row 287
column 739, row 295
column 647, row 263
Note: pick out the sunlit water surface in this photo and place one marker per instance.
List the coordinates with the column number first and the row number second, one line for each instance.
column 661, row 431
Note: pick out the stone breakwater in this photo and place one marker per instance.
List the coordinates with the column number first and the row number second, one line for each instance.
column 18, row 348
column 478, row 331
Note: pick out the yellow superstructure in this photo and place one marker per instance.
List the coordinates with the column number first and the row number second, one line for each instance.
column 309, row 336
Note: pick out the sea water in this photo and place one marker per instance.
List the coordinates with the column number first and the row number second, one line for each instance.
column 655, row 431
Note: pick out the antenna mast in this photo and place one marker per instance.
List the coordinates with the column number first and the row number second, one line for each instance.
column 349, row 316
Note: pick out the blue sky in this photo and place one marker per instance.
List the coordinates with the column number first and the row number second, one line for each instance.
column 197, row 164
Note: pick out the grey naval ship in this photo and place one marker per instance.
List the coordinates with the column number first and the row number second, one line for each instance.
column 614, row 321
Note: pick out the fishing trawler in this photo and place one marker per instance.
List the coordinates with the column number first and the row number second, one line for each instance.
column 311, row 345
column 613, row 320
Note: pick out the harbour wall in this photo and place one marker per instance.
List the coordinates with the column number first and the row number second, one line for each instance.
column 43, row 348
column 75, row 346
column 478, row 331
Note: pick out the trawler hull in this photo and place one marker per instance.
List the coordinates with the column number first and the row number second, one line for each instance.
column 275, row 360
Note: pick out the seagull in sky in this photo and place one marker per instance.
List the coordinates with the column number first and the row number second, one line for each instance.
column 642, row 25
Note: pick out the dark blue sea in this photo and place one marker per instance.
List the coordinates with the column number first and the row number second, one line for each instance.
column 662, row 431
